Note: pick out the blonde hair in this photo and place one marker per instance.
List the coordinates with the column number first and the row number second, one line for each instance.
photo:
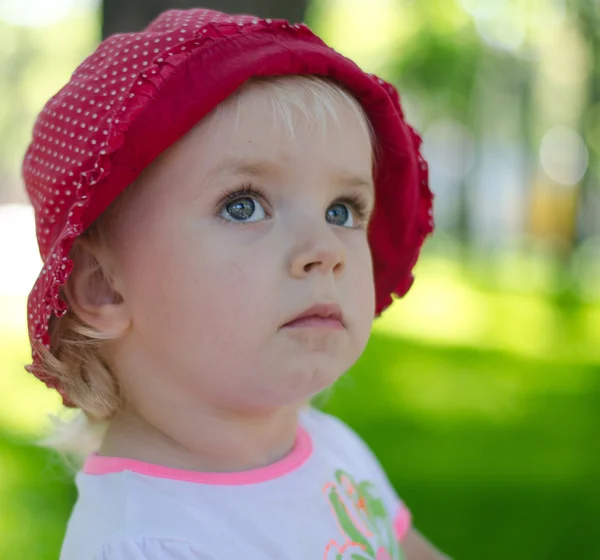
column 314, row 96
column 75, row 356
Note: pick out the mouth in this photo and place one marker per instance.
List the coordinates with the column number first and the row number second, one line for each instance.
column 320, row 316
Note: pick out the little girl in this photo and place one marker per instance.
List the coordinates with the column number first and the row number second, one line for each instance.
column 223, row 204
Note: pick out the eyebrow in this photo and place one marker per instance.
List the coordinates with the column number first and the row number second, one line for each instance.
column 268, row 168
column 351, row 180
column 255, row 168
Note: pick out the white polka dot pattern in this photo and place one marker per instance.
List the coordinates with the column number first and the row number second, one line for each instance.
column 83, row 126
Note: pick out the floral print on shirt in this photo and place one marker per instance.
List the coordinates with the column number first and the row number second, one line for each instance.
column 363, row 520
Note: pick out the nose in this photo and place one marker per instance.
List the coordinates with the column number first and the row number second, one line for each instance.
column 319, row 251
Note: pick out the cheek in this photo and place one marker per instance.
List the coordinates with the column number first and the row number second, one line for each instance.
column 363, row 294
column 193, row 293
column 362, row 275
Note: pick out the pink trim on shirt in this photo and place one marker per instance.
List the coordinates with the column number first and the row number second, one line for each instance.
column 96, row 464
column 402, row 522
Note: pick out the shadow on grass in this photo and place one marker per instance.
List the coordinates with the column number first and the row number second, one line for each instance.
column 496, row 456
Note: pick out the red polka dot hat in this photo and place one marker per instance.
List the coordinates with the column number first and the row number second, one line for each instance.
column 140, row 92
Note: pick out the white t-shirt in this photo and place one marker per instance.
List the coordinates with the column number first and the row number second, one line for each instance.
column 327, row 500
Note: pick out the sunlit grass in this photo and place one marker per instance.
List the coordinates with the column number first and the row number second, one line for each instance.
column 445, row 308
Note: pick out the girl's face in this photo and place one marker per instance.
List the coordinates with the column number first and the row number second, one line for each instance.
column 235, row 231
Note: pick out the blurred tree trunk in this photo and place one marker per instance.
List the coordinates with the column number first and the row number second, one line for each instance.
column 132, row 15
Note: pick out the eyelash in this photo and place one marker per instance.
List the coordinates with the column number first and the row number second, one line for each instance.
column 246, row 190
column 357, row 202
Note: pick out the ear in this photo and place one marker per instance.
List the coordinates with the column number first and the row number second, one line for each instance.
column 92, row 292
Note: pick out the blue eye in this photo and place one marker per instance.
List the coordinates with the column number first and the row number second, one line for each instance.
column 244, row 210
column 338, row 214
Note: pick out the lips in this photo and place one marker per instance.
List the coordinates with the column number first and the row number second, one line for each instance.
column 322, row 315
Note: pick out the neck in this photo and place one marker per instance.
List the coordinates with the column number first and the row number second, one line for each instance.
column 203, row 439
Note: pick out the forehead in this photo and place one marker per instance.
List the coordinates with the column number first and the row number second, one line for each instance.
column 314, row 98
column 284, row 118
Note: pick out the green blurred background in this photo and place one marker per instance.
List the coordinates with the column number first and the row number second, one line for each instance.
column 480, row 391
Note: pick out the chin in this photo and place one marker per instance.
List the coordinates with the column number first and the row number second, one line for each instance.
column 306, row 383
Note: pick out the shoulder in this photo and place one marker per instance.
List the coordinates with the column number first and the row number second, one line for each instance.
column 148, row 548
column 329, row 426
column 338, row 437
column 118, row 514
